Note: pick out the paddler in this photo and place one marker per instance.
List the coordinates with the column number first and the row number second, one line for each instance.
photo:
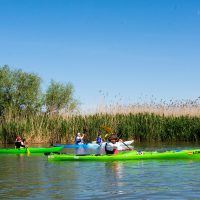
column 99, row 139
column 19, row 142
column 112, row 146
column 79, row 138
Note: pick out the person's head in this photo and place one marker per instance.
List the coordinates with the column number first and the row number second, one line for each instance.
column 79, row 134
column 113, row 138
column 18, row 138
column 99, row 134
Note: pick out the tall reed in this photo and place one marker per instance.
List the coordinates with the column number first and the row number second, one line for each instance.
column 152, row 123
column 141, row 127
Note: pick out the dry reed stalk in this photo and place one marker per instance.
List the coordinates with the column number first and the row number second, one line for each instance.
column 178, row 109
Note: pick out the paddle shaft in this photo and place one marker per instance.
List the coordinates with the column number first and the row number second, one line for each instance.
column 126, row 145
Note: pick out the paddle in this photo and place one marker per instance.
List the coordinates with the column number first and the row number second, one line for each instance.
column 126, row 145
column 27, row 151
column 23, row 144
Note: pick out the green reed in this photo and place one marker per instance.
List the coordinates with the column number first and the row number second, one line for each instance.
column 142, row 127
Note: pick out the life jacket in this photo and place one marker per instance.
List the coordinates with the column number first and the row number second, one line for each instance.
column 17, row 144
column 77, row 141
column 18, row 141
column 108, row 151
column 98, row 140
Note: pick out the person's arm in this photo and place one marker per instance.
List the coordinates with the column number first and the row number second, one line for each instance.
column 22, row 144
column 83, row 136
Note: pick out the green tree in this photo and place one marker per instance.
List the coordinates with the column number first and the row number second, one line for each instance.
column 19, row 91
column 59, row 97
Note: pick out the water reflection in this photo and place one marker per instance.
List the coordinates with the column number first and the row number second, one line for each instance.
column 114, row 174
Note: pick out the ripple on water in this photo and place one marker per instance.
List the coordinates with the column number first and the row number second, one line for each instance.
column 33, row 177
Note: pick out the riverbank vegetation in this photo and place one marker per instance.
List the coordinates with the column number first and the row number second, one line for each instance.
column 143, row 127
column 50, row 116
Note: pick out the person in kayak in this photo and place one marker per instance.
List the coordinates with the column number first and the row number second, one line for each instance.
column 111, row 147
column 79, row 138
column 19, row 143
column 79, row 142
column 99, row 139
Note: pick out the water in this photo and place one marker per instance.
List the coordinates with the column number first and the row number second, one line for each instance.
column 34, row 177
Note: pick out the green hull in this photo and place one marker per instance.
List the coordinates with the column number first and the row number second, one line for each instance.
column 132, row 155
column 30, row 150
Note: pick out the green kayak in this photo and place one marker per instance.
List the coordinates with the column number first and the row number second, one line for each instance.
column 131, row 155
column 30, row 150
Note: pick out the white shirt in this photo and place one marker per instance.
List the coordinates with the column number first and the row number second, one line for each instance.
column 110, row 146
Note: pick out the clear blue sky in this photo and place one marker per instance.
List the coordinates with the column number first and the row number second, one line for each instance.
column 129, row 49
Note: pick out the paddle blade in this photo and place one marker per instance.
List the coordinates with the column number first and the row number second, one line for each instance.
column 28, row 151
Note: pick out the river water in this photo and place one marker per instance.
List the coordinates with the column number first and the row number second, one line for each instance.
column 34, row 177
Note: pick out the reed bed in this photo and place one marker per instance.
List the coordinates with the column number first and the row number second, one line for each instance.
column 141, row 125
